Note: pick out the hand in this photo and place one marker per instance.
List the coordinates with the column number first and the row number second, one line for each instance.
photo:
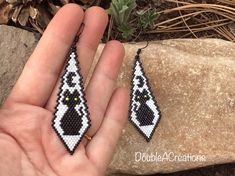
column 28, row 144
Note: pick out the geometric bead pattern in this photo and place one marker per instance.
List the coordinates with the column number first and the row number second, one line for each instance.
column 71, row 117
column 144, row 112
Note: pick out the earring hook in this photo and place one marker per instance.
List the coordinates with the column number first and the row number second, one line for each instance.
column 145, row 45
column 78, row 35
column 81, row 29
column 140, row 49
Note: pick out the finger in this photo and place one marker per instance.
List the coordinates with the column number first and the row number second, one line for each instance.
column 103, row 83
column 102, row 145
column 43, row 67
column 95, row 22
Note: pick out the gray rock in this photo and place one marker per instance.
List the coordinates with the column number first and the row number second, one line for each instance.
column 194, row 83
column 15, row 47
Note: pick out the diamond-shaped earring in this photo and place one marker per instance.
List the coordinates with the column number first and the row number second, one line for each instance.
column 144, row 112
column 71, row 118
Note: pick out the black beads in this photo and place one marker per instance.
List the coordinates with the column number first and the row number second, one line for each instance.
column 71, row 118
column 144, row 112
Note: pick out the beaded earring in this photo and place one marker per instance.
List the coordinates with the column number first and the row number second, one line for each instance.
column 71, row 118
column 144, row 112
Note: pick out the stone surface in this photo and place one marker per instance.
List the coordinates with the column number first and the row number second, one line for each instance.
column 15, row 47
column 194, row 83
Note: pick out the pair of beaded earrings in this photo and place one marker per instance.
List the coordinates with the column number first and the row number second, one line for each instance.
column 71, row 118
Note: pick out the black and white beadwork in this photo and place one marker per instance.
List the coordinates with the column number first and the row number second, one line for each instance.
column 144, row 111
column 71, row 118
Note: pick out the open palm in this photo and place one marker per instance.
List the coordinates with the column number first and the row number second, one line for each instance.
column 28, row 144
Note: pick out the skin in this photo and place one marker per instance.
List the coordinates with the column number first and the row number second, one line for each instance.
column 28, row 144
